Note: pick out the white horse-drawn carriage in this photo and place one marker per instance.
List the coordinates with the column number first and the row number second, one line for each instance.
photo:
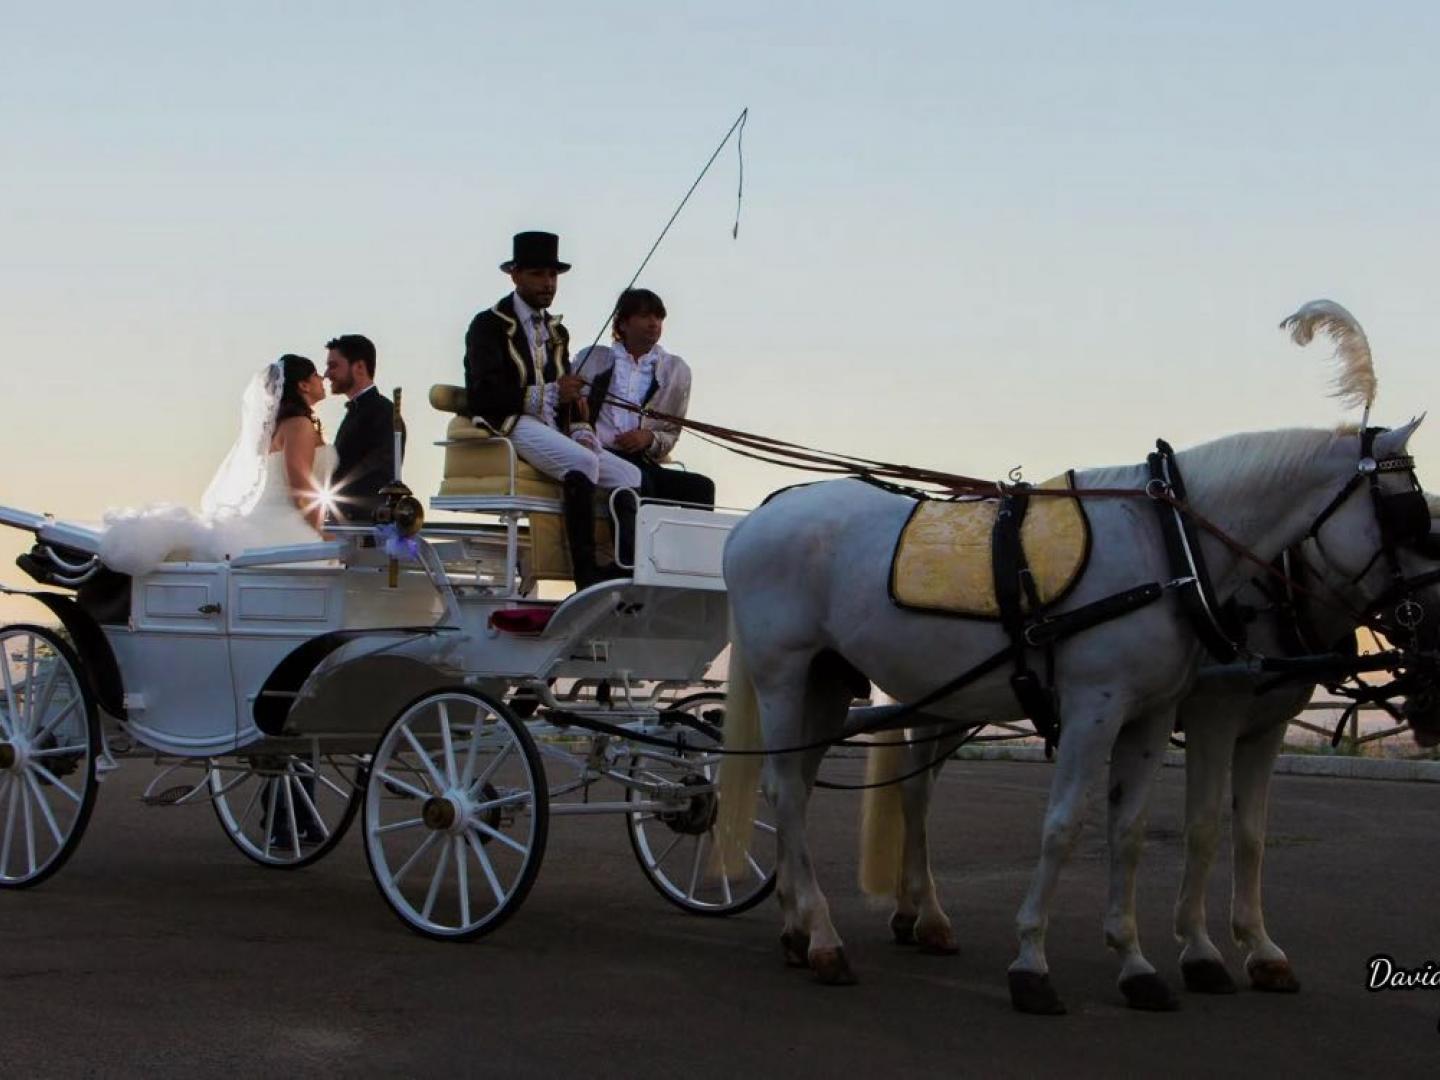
column 432, row 694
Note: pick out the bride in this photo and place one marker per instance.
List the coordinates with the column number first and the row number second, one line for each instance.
column 269, row 491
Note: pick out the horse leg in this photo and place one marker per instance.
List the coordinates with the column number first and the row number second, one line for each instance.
column 1135, row 759
column 1091, row 722
column 1265, row 962
column 793, row 712
column 1209, row 742
column 930, row 926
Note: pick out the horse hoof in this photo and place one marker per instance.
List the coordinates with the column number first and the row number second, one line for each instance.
column 1149, row 992
column 796, row 948
column 1273, row 976
column 903, row 927
column 831, row 968
column 1207, row 977
column 1032, row 993
column 937, row 941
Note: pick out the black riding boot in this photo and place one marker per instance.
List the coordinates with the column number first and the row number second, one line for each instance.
column 579, row 504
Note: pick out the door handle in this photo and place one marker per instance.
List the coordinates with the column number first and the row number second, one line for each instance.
column 209, row 609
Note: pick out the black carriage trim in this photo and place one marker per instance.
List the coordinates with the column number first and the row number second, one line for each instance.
column 278, row 694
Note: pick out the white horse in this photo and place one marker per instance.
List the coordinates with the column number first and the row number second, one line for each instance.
column 1234, row 724
column 1234, row 728
column 807, row 576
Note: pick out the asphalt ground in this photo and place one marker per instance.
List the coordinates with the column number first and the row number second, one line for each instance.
column 160, row 951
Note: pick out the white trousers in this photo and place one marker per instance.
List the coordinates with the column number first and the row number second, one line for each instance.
column 556, row 454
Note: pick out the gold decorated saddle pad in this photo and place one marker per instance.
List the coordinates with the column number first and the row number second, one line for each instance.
column 942, row 560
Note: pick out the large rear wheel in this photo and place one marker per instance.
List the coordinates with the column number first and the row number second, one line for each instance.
column 49, row 742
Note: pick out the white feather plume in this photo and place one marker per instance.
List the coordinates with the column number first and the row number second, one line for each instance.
column 1355, row 383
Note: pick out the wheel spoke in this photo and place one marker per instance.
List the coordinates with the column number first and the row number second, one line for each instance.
column 448, row 746
column 725, row 884
column 14, row 792
column 250, row 806
column 441, row 865
column 396, row 826
column 55, row 780
column 462, row 874
column 310, row 806
column 490, row 769
column 764, row 827
column 469, row 774
column 37, row 709
column 429, row 765
column 30, row 683
column 668, row 849
column 695, row 868
column 755, row 866
column 497, row 835
column 54, row 721
column 408, row 789
column 503, row 800
column 486, row 866
column 269, row 823
column 29, row 829
column 321, row 778
column 47, row 813
column 414, row 858
column 57, row 751
column 290, row 811
column 12, row 710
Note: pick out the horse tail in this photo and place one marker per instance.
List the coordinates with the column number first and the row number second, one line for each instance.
column 1355, row 383
column 737, row 789
column 882, row 821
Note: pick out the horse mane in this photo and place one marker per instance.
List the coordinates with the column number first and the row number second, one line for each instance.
column 1355, row 382
column 1254, row 462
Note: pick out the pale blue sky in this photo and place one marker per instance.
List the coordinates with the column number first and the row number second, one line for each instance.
column 973, row 234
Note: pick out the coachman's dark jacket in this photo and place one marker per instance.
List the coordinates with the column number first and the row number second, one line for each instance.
column 503, row 382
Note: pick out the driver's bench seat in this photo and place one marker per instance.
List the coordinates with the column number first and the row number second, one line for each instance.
column 483, row 473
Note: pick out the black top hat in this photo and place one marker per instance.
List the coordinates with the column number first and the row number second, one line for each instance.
column 535, row 251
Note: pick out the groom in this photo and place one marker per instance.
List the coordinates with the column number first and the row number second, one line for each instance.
column 365, row 443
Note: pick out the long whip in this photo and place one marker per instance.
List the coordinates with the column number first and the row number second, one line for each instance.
column 739, row 125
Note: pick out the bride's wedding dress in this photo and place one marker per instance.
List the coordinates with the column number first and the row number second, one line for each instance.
column 136, row 542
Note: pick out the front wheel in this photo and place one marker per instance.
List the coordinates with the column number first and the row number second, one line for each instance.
column 49, row 742
column 673, row 836
column 456, row 814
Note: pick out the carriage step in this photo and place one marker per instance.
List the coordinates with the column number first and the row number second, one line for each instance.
column 169, row 797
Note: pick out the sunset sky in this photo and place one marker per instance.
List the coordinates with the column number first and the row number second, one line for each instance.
column 973, row 235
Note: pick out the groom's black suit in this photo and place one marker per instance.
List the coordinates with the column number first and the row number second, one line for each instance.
column 365, row 447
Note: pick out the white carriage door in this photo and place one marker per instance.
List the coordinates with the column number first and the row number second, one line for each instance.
column 273, row 611
column 179, row 691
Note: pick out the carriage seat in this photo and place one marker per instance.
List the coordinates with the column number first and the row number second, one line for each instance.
column 477, row 459
column 477, row 466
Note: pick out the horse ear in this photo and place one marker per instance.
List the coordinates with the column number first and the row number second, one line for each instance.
column 1395, row 440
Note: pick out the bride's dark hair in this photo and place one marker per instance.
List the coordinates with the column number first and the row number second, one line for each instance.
column 296, row 370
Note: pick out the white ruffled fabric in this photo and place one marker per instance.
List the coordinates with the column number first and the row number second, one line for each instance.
column 137, row 541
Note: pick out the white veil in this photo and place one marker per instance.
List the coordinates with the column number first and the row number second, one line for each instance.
column 238, row 484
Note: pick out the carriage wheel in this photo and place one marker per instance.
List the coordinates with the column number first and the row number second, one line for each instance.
column 456, row 814
column 49, row 740
column 673, row 847
column 287, row 810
